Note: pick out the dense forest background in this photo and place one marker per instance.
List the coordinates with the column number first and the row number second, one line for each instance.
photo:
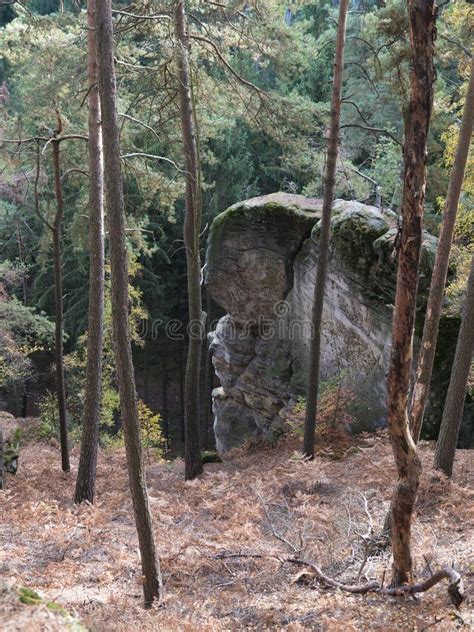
column 261, row 92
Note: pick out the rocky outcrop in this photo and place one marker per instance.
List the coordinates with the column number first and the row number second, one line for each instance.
column 261, row 266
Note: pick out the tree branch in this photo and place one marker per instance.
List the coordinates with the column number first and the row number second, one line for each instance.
column 456, row 588
column 139, row 154
column 135, row 120
column 233, row 72
column 376, row 130
column 457, row 44
column 157, row 16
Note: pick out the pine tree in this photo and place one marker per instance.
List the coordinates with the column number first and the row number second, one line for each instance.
column 321, row 272
column 152, row 585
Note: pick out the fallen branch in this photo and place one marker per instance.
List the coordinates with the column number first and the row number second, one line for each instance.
column 456, row 588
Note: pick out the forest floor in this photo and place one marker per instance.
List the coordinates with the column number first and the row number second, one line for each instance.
column 267, row 500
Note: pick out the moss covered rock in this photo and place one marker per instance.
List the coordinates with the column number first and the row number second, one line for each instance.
column 251, row 249
column 261, row 268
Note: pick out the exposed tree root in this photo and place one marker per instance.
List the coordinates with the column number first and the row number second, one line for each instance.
column 456, row 588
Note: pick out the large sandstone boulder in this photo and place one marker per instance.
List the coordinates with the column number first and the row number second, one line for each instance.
column 261, row 266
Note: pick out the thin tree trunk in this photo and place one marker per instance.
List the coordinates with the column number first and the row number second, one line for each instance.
column 164, row 396
column 152, row 586
column 21, row 254
column 208, row 379
column 440, row 270
column 329, row 181
column 181, row 394
column 2, row 463
column 58, row 304
column 192, row 223
column 85, row 482
column 422, row 18
column 455, row 398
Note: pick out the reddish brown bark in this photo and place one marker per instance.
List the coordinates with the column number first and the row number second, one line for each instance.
column 321, row 272
column 440, row 270
column 422, row 19
column 455, row 398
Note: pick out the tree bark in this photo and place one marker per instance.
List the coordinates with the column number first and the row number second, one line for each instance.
column 454, row 404
column 164, row 396
column 21, row 255
column 192, row 223
column 181, row 394
column 2, row 463
column 208, row 381
column 422, row 19
column 85, row 482
column 440, row 270
column 58, row 304
column 152, row 586
column 321, row 272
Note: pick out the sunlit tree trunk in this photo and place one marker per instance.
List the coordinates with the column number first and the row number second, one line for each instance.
column 321, row 272
column 422, row 19
column 120, row 302
column 192, row 223
column 208, row 368
column 454, row 404
column 440, row 270
column 58, row 304
column 85, row 482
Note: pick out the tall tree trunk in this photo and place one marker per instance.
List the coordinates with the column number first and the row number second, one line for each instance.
column 85, row 482
column 120, row 302
column 440, row 270
column 164, row 397
column 329, row 181
column 58, row 304
column 21, row 254
column 208, row 380
column 192, row 223
column 422, row 18
column 454, row 404
column 182, row 422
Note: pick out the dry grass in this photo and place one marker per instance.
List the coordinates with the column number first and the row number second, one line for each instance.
column 266, row 501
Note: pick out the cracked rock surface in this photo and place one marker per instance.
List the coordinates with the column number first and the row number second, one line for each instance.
column 261, row 268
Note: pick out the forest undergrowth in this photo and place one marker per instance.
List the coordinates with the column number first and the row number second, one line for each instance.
column 65, row 567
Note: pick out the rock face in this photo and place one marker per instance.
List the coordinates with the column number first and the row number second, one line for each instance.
column 261, row 266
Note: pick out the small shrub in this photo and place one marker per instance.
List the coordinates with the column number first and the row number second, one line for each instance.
column 150, row 427
column 11, row 452
column 48, row 427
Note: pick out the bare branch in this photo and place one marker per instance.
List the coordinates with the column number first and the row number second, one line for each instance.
column 457, row 44
column 275, row 533
column 375, row 130
column 233, row 72
column 135, row 120
column 456, row 589
column 157, row 16
column 139, row 154
column 75, row 170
